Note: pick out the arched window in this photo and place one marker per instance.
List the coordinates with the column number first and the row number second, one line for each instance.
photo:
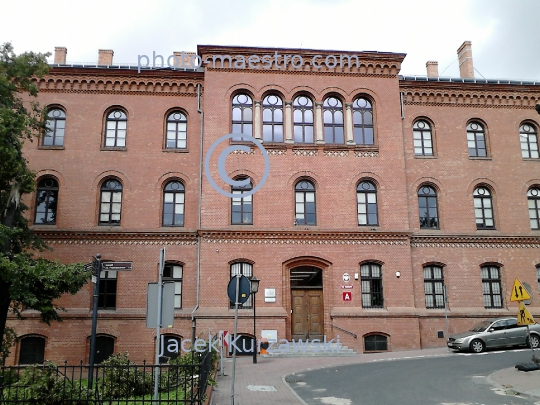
column 46, row 202
column 366, row 198
column 375, row 343
column 104, row 348
column 476, row 139
column 333, row 120
column 305, row 211
column 423, row 138
column 56, row 125
column 434, row 286
column 303, row 120
column 174, row 272
column 115, row 131
column 372, row 288
column 427, row 207
column 363, row 122
column 483, row 208
column 110, row 206
column 242, row 115
column 529, row 141
column 176, row 131
column 533, row 197
column 32, row 350
column 491, row 287
column 107, row 289
column 242, row 208
column 173, row 204
column 170, row 348
column 244, row 269
column 272, row 119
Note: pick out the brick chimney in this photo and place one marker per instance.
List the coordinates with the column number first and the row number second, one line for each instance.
column 432, row 69
column 60, row 55
column 466, row 69
column 105, row 57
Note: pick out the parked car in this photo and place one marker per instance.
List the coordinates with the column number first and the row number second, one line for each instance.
column 499, row 332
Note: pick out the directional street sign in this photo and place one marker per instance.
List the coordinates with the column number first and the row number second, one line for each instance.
column 524, row 316
column 117, row 266
column 519, row 292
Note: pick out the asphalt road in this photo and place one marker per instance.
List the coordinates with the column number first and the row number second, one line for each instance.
column 457, row 379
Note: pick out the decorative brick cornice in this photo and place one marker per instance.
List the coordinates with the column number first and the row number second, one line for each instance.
column 476, row 242
column 71, row 81
column 117, row 238
column 478, row 95
column 303, row 238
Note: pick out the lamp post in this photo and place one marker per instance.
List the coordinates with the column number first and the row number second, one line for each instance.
column 254, row 288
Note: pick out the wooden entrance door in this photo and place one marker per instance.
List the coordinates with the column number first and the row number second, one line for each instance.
column 307, row 314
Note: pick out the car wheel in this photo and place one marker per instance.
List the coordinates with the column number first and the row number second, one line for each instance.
column 534, row 341
column 477, row 346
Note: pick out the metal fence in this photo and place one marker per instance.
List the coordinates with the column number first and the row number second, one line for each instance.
column 51, row 384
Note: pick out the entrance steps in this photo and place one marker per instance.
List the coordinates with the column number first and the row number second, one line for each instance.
column 297, row 349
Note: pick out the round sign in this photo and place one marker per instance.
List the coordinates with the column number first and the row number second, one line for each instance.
column 346, row 277
column 244, row 289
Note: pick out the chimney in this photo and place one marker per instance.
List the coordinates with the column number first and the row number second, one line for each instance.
column 60, row 55
column 105, row 57
column 186, row 62
column 432, row 69
column 466, row 69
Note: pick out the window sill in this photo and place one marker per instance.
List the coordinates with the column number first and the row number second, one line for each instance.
column 113, row 148
column 51, row 147
column 480, row 158
column 175, row 150
column 531, row 159
column 425, row 157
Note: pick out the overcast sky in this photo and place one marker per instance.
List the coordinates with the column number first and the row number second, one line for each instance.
column 505, row 34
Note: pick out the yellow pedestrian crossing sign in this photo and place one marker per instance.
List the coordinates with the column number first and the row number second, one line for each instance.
column 519, row 292
column 524, row 316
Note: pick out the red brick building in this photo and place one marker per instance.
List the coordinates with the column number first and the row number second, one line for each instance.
column 382, row 189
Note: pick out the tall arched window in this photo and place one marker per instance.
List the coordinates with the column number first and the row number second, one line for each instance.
column 333, row 120
column 529, row 141
column 366, row 198
column 272, row 119
column 173, row 272
column 56, row 125
column 533, row 199
column 427, row 207
column 32, row 350
column 173, row 204
column 434, row 286
column 242, row 208
column 363, row 122
column 110, row 206
column 176, row 131
column 46, row 202
column 491, row 286
column 476, row 139
column 423, row 138
column 303, row 120
column 305, row 203
column 372, row 288
column 244, row 269
column 483, row 208
column 115, row 130
column 242, row 115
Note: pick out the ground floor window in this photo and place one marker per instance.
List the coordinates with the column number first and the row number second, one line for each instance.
column 375, row 343
column 104, row 348
column 32, row 350
column 169, row 348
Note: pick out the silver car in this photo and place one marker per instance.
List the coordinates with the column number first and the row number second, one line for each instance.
column 500, row 332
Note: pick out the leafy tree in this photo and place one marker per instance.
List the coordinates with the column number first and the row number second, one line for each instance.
column 24, row 281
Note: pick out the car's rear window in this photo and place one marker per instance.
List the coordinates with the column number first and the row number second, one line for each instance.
column 480, row 327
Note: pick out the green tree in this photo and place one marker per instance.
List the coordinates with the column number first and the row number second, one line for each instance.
column 24, row 281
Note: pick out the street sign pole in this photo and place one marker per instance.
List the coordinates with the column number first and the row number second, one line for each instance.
column 158, row 321
column 94, row 323
column 234, row 336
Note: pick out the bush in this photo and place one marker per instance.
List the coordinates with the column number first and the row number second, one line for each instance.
column 122, row 379
column 45, row 385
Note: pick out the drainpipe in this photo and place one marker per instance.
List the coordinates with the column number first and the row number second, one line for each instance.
column 193, row 320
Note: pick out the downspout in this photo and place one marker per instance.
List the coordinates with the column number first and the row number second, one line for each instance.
column 193, row 320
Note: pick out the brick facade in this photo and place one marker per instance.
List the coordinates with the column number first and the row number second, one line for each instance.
column 208, row 243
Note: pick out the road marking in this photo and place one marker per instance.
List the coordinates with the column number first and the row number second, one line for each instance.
column 266, row 388
column 335, row 401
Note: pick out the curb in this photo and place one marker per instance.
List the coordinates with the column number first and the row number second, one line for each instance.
column 509, row 391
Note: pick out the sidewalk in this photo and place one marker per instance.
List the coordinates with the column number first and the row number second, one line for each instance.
column 263, row 383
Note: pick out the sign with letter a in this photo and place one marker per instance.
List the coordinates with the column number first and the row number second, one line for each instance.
column 347, row 295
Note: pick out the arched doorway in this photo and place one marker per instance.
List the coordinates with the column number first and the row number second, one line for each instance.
column 307, row 320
